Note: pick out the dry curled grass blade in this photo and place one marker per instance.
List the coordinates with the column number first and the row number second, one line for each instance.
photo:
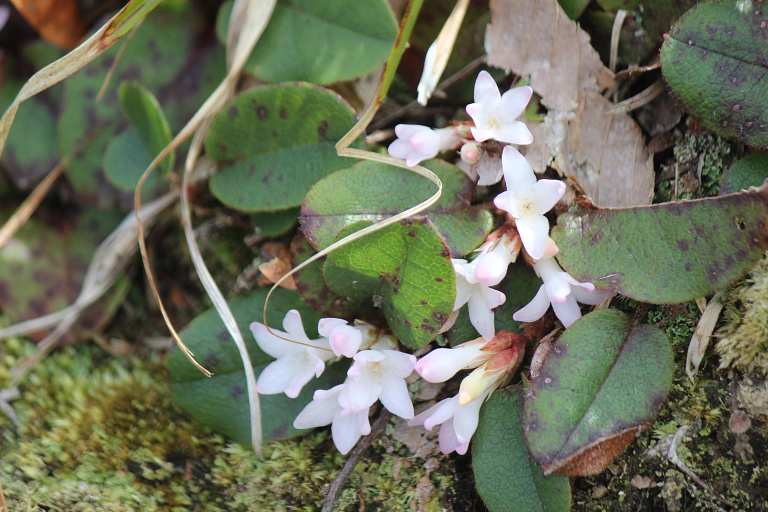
column 252, row 18
column 75, row 60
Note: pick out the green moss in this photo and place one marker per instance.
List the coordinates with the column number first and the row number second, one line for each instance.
column 744, row 337
column 104, row 435
column 699, row 164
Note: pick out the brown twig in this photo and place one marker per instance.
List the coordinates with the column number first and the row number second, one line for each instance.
column 329, row 502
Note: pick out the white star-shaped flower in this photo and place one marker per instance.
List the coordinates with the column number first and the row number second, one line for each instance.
column 495, row 114
column 562, row 291
column 379, row 375
column 415, row 143
column 296, row 362
column 527, row 200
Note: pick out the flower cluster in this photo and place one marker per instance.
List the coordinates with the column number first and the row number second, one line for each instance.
column 378, row 373
column 378, row 370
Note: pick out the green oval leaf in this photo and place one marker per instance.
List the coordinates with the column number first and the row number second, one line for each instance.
column 273, row 224
column 125, row 161
column 321, row 42
column 374, row 191
column 146, row 116
column 602, row 383
column 221, row 402
column 750, row 171
column 666, row 253
column 506, row 476
column 407, row 268
column 715, row 67
column 273, row 143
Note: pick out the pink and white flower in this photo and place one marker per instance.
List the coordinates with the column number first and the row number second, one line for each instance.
column 491, row 265
column 415, row 143
column 495, row 114
column 296, row 360
column 379, row 375
column 346, row 427
column 481, row 299
column 562, row 291
column 527, row 200
column 443, row 363
column 457, row 422
column 346, row 340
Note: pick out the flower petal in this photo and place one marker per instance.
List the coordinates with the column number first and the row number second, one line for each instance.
column 443, row 363
column 491, row 267
column 448, row 440
column 345, row 432
column 533, row 230
column 406, row 131
column 481, row 317
column 481, row 135
column 514, row 101
column 326, row 325
column 400, row 149
column 517, row 171
column 558, row 289
column 394, row 396
column 593, row 297
column 319, row 412
column 534, row 309
column 486, row 90
column 426, row 142
column 466, row 418
column 293, row 326
column 514, row 133
column 271, row 344
column 399, row 364
column 287, row 374
column 546, row 194
column 568, row 311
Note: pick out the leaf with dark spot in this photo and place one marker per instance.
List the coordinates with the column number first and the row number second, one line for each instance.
column 373, row 191
column 666, row 253
column 602, row 383
column 715, row 63
column 404, row 271
column 269, row 162
column 221, row 402
column 311, row 285
column 506, row 476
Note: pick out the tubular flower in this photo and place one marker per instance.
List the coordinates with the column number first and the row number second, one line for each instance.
column 415, row 143
column 562, row 291
column 495, row 114
column 527, row 200
column 443, row 363
column 296, row 362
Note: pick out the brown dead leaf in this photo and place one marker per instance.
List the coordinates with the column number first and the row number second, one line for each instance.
column 276, row 268
column 57, row 21
column 536, row 38
column 612, row 163
column 605, row 153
